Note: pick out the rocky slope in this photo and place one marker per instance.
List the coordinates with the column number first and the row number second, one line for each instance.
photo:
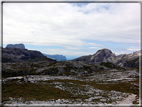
column 45, row 67
column 106, row 55
column 129, row 60
column 21, row 46
column 20, row 55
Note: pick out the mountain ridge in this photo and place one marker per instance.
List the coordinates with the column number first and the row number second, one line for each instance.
column 106, row 55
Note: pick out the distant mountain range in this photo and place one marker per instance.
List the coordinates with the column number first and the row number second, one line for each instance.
column 106, row 55
column 16, row 53
column 22, row 46
column 56, row 57
column 18, row 62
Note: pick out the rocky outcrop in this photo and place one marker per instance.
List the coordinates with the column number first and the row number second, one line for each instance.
column 129, row 60
column 103, row 55
column 21, row 46
column 20, row 55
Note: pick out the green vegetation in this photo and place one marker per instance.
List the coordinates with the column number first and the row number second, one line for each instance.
column 121, row 87
column 30, row 91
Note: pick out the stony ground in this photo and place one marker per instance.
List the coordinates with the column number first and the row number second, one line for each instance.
column 113, row 87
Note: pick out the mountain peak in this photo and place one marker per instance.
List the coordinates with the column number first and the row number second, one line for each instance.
column 21, row 46
column 103, row 55
column 105, row 50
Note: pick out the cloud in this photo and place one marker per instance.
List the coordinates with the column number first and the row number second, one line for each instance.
column 69, row 25
column 93, row 47
column 133, row 49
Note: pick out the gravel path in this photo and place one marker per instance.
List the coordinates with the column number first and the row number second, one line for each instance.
column 128, row 100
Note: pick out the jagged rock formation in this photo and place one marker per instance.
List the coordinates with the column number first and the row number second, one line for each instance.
column 21, row 46
column 129, row 60
column 106, row 55
column 56, row 57
column 20, row 55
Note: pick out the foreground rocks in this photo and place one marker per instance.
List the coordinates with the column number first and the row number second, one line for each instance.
column 93, row 90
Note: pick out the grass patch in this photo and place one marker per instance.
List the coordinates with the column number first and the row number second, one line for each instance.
column 30, row 91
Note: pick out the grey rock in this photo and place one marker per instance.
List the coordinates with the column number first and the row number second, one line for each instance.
column 21, row 46
column 103, row 55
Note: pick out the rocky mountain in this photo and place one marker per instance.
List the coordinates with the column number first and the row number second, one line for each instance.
column 21, row 46
column 103, row 55
column 56, row 57
column 20, row 55
column 106, row 55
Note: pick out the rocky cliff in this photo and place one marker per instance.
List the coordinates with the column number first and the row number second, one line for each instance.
column 20, row 55
column 21, row 46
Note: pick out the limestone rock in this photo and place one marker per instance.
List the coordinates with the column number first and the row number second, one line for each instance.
column 21, row 46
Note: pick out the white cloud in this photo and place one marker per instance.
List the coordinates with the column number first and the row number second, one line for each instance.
column 133, row 49
column 63, row 24
column 93, row 47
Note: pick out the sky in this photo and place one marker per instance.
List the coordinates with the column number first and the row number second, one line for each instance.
column 73, row 29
